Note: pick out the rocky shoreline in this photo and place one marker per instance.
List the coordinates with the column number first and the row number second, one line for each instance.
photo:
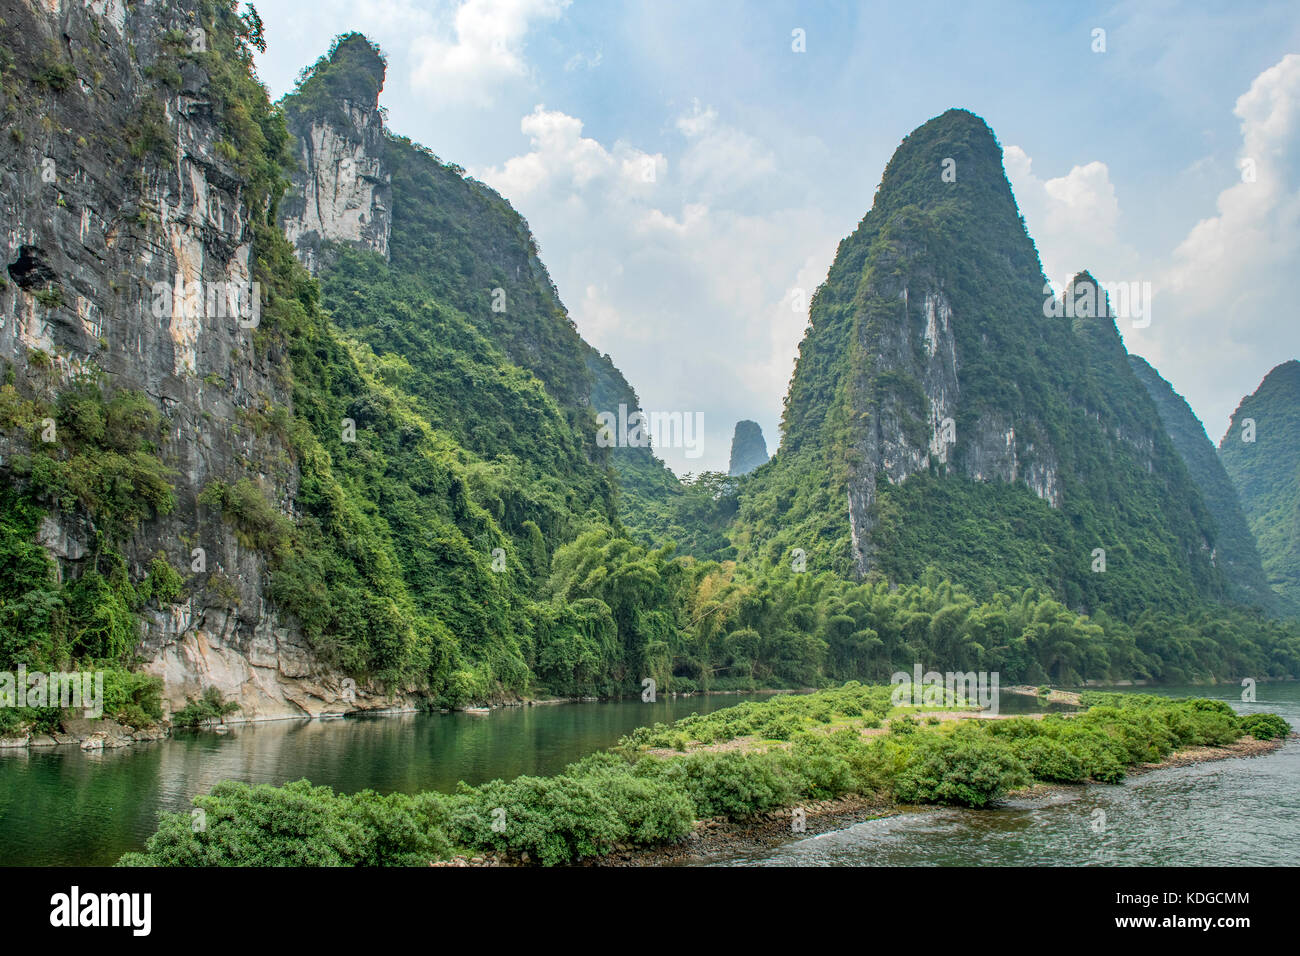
column 1245, row 747
column 1052, row 697
column 87, row 734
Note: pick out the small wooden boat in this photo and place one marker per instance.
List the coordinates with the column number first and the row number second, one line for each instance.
column 478, row 710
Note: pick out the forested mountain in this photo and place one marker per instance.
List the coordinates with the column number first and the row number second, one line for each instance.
column 945, row 413
column 438, row 281
column 1234, row 544
column 1261, row 452
column 293, row 416
column 366, row 478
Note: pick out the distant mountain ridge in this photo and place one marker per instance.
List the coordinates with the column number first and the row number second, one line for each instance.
column 1261, row 453
column 748, row 449
column 1235, row 550
column 294, row 419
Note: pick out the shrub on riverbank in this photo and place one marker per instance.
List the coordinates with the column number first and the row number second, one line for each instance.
column 1049, row 760
column 777, row 718
column 1265, row 726
column 299, row 825
column 592, row 806
column 627, row 796
column 969, row 770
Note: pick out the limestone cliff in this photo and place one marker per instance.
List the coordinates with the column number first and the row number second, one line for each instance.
column 946, row 412
column 342, row 189
column 126, row 230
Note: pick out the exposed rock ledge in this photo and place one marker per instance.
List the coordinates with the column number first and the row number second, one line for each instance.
column 268, row 670
column 87, row 734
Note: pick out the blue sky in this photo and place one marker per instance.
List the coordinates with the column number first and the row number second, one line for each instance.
column 688, row 174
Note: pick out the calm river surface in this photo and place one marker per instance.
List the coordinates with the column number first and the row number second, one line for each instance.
column 62, row 806
column 1237, row 812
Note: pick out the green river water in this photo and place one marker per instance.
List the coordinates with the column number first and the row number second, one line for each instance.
column 60, row 806
column 65, row 807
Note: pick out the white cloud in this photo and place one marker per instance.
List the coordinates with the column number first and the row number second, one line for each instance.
column 694, row 216
column 685, row 277
column 698, row 121
column 721, row 160
column 563, row 160
column 484, row 50
column 1228, row 291
column 1220, row 294
column 1074, row 219
column 583, row 61
column 1254, row 231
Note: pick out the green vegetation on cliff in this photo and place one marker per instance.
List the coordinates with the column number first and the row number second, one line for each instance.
column 456, row 531
column 94, row 452
column 1266, row 472
column 1234, row 544
column 934, row 308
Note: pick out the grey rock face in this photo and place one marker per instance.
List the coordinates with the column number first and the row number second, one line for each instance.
column 342, row 189
column 911, row 402
column 113, row 248
column 342, row 193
